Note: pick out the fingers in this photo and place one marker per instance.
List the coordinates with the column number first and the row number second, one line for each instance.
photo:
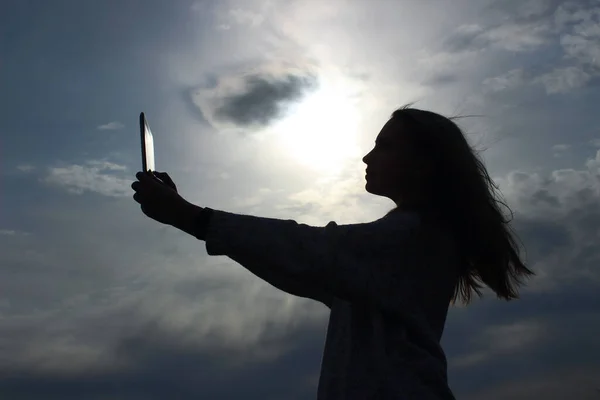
column 166, row 179
column 163, row 176
column 144, row 176
column 137, row 197
column 140, row 188
column 150, row 183
column 147, row 180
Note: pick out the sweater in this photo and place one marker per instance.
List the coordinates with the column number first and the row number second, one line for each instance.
column 388, row 284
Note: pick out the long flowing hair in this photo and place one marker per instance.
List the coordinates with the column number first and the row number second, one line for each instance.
column 462, row 194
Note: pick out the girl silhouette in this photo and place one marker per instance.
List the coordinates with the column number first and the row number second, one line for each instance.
column 388, row 283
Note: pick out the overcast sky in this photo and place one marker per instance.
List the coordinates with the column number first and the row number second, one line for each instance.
column 267, row 108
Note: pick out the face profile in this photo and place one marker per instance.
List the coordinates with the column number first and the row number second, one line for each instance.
column 393, row 168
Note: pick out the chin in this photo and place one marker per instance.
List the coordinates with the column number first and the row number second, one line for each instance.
column 369, row 188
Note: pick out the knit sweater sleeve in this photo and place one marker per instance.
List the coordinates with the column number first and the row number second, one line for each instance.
column 373, row 263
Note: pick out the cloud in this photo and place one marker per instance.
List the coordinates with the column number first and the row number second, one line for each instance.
column 109, row 310
column 580, row 41
column 472, row 43
column 557, row 215
column 529, row 27
column 111, row 126
column 500, row 339
column 532, row 9
column 263, row 99
column 540, row 335
column 563, row 80
column 158, row 365
column 578, row 14
column 26, row 168
column 561, row 147
column 10, row 232
column 508, row 35
column 518, row 37
column 510, row 80
column 465, row 37
column 523, row 9
column 145, row 322
column 556, row 81
column 245, row 17
column 95, row 176
column 254, row 99
column 572, row 383
column 251, row 14
column 198, row 6
column 582, row 47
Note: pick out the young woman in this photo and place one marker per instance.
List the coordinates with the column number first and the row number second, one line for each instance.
column 389, row 282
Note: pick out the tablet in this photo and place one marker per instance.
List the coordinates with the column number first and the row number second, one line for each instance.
column 147, row 145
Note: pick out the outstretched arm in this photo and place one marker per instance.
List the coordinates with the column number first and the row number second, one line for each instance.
column 158, row 197
column 379, row 263
column 195, row 221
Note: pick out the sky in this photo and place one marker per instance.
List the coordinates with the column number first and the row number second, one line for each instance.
column 267, row 108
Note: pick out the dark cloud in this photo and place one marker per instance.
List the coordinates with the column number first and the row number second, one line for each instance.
column 160, row 366
column 503, row 21
column 442, row 79
column 516, row 25
column 465, row 39
column 263, row 99
column 542, row 196
column 560, row 384
column 542, row 236
column 525, row 11
column 565, row 326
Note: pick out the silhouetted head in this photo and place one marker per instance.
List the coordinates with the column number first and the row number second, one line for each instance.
column 397, row 167
column 423, row 162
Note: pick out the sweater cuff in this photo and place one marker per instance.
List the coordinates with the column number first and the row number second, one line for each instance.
column 201, row 223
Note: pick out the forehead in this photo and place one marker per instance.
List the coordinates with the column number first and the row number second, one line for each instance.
column 392, row 131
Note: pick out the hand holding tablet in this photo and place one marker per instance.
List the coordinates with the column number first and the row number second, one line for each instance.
column 147, row 145
column 155, row 191
column 148, row 164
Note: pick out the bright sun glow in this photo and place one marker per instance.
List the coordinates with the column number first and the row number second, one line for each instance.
column 321, row 131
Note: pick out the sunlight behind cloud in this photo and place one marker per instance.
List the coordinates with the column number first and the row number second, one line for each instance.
column 321, row 131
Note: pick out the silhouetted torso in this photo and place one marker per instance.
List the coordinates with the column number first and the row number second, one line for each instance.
column 388, row 292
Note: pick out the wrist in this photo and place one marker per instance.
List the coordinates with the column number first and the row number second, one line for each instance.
column 185, row 216
column 192, row 219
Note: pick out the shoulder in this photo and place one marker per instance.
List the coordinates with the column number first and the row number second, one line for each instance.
column 398, row 231
column 391, row 226
column 428, row 237
column 380, row 238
